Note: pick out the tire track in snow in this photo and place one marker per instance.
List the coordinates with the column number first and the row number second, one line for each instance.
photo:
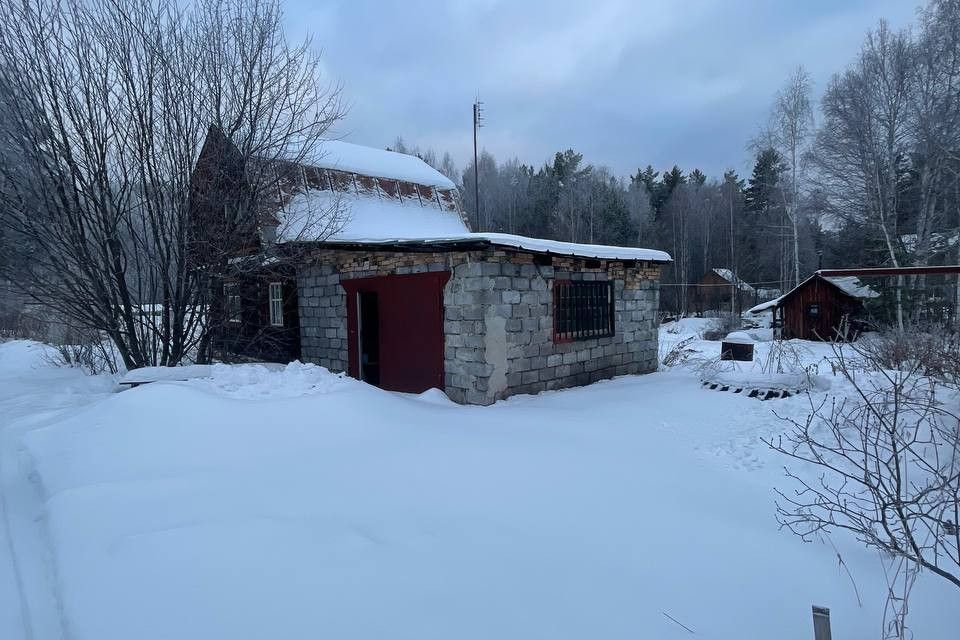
column 28, row 582
column 14, row 619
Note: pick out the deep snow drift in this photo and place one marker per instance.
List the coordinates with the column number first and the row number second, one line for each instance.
column 299, row 504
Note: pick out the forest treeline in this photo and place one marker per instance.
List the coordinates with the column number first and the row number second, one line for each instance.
column 868, row 174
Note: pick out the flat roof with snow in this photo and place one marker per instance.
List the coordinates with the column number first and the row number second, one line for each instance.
column 534, row 245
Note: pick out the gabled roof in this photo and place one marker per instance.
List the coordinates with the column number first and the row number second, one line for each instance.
column 355, row 192
column 848, row 285
column 727, row 275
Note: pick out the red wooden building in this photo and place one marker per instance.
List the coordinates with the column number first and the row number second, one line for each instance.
column 822, row 307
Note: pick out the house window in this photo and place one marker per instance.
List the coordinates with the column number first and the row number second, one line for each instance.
column 231, row 297
column 813, row 310
column 276, row 304
column 582, row 310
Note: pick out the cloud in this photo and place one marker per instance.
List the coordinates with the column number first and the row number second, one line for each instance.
column 626, row 83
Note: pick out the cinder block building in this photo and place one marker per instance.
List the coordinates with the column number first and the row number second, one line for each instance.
column 367, row 265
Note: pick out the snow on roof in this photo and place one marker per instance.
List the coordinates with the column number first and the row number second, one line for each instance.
column 852, row 286
column 313, row 215
column 727, row 275
column 760, row 308
column 358, row 219
column 535, row 245
column 377, row 163
column 538, row 245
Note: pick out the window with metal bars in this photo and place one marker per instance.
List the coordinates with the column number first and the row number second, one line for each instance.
column 582, row 310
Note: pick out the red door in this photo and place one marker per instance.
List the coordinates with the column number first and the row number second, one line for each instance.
column 404, row 351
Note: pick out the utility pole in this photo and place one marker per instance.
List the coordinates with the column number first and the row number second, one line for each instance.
column 477, row 123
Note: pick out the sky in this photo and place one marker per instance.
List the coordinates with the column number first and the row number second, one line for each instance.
column 624, row 82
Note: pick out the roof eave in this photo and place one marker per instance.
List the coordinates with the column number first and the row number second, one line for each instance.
column 458, row 244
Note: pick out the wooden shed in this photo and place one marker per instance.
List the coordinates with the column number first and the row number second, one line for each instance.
column 820, row 308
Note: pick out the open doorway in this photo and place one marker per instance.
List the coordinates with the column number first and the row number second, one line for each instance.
column 395, row 336
column 368, row 317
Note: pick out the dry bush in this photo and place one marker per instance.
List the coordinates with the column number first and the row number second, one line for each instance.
column 887, row 463
column 720, row 327
column 678, row 353
column 932, row 351
column 85, row 350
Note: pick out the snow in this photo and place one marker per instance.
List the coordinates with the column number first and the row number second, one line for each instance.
column 155, row 374
column 852, row 286
column 754, row 379
column 739, row 337
column 378, row 163
column 765, row 306
column 536, row 245
column 572, row 249
column 363, row 218
column 289, row 503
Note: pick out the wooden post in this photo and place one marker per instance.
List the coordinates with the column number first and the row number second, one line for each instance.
column 821, row 623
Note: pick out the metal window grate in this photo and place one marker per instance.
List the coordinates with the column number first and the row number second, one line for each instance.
column 582, row 310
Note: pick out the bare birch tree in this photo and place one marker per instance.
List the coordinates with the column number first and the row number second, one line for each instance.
column 108, row 103
column 792, row 127
column 861, row 146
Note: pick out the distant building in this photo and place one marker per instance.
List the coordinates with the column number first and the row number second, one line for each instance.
column 404, row 296
column 715, row 290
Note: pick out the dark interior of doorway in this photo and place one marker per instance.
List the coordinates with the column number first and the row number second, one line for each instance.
column 369, row 308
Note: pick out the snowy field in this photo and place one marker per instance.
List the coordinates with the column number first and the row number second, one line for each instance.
column 298, row 504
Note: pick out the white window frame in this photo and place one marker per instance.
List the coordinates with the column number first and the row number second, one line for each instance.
column 275, row 301
column 231, row 296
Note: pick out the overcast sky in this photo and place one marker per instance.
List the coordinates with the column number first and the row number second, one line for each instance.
column 625, row 82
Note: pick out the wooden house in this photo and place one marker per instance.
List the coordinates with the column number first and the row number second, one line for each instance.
column 714, row 290
column 364, row 263
column 820, row 308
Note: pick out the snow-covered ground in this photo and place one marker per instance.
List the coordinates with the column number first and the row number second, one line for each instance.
column 295, row 503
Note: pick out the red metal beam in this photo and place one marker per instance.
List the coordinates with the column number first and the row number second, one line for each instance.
column 890, row 271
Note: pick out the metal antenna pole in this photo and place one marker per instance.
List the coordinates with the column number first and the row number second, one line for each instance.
column 477, row 120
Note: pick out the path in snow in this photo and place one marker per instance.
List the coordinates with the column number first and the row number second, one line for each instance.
column 29, row 607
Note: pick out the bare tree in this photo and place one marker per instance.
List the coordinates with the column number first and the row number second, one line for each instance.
column 792, row 127
column 109, row 103
column 861, row 147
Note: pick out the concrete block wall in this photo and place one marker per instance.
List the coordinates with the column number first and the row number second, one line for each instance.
column 498, row 318
column 499, row 332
